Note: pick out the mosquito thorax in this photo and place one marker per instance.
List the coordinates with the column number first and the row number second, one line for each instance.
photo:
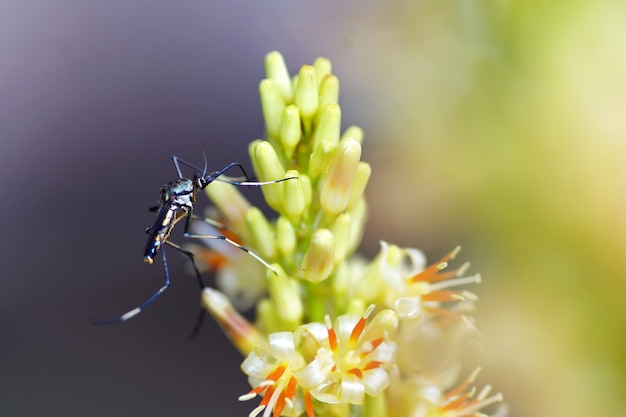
column 179, row 192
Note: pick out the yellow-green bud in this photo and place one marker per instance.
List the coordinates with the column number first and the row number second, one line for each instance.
column 359, row 216
column 269, row 168
column 276, row 70
column 285, row 236
column 323, row 67
column 294, row 199
column 290, row 130
column 232, row 204
column 320, row 158
column 340, row 285
column 337, row 185
column 341, row 231
column 273, row 105
column 353, row 132
column 307, row 95
column 329, row 90
column 242, row 334
column 284, row 293
column 362, row 176
column 267, row 317
column 319, row 260
column 262, row 233
column 329, row 125
column 307, row 187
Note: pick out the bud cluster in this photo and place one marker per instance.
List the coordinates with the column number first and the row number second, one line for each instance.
column 334, row 333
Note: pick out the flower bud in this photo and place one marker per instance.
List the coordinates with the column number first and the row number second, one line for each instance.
column 242, row 334
column 329, row 125
column 319, row 260
column 285, row 237
column 262, row 233
column 359, row 216
column 307, row 96
column 329, row 90
column 269, row 168
column 335, row 193
column 323, row 67
column 353, row 132
column 320, row 157
column 273, row 105
column 361, row 177
column 231, row 204
column 286, row 299
column 341, row 231
column 276, row 70
column 290, row 130
column 294, row 199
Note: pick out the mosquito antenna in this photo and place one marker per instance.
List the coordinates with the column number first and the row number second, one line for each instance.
column 175, row 160
column 205, row 164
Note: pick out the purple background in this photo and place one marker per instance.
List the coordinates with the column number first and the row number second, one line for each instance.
column 95, row 97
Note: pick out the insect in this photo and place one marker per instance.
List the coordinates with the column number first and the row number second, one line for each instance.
column 176, row 202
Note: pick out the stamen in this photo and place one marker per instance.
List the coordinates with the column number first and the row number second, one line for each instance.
column 473, row 406
column 308, row 404
column 443, row 295
column 332, row 336
column 278, row 372
column 431, row 272
column 267, row 396
column 248, row 396
column 360, row 325
column 290, row 391
column 475, row 279
column 372, row 345
column 256, row 411
column 273, row 400
column 372, row 365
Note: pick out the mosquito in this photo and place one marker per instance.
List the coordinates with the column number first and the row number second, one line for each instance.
column 176, row 202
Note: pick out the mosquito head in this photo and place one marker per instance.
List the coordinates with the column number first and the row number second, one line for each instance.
column 200, row 182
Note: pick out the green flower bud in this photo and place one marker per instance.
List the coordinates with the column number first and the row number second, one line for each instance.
column 341, row 231
column 267, row 317
column 337, row 185
column 319, row 260
column 362, row 176
column 285, row 237
column 357, row 226
column 284, row 293
column 290, row 130
column 353, row 132
column 262, row 233
column 323, row 67
column 269, row 168
column 231, row 204
column 321, row 157
column 307, row 188
column 329, row 90
column 276, row 70
column 329, row 125
column 273, row 106
column 294, row 199
column 307, row 95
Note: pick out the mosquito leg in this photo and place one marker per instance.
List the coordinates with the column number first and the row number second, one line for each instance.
column 235, row 244
column 212, row 222
column 135, row 311
column 191, row 257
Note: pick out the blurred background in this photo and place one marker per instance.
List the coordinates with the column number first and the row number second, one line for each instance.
column 499, row 126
